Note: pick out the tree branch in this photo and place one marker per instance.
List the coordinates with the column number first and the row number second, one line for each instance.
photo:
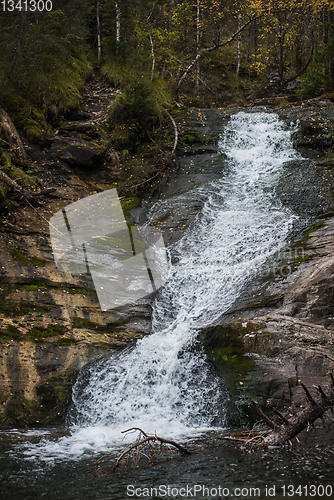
column 140, row 441
column 176, row 133
column 304, row 68
column 264, row 417
column 214, row 47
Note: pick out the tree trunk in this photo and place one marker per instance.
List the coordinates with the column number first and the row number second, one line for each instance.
column 98, row 32
column 9, row 131
column 239, row 41
column 197, row 43
column 118, row 23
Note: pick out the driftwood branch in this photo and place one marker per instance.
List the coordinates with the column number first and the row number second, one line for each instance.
column 316, row 407
column 135, row 447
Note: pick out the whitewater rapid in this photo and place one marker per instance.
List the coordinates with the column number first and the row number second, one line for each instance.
column 164, row 384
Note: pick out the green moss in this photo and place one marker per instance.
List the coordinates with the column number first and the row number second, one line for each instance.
column 10, row 333
column 223, row 345
column 312, row 229
column 38, row 334
column 20, row 257
column 192, row 138
column 65, row 342
column 28, row 118
column 8, row 308
column 37, row 284
column 129, row 204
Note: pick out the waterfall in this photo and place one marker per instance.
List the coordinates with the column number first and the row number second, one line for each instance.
column 164, row 384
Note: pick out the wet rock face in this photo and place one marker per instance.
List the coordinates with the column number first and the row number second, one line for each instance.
column 51, row 325
column 287, row 344
column 315, row 124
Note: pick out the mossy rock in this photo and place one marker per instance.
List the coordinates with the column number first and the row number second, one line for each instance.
column 192, row 138
column 39, row 334
column 10, row 308
column 224, row 345
column 129, row 204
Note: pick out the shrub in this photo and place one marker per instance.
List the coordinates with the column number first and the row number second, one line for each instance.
column 136, row 112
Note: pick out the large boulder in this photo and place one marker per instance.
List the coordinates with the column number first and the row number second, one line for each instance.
column 77, row 152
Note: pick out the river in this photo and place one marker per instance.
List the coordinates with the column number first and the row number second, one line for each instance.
column 165, row 384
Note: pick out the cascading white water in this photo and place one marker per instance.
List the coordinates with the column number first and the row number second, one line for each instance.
column 164, row 384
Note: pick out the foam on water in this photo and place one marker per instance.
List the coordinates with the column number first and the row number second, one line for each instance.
column 164, row 384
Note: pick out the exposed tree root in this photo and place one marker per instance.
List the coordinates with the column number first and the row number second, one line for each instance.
column 149, row 446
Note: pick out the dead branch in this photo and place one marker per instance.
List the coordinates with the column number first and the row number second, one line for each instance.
column 176, row 136
column 28, row 195
column 308, row 395
column 264, row 417
column 279, row 414
column 136, row 448
column 316, row 407
column 135, row 429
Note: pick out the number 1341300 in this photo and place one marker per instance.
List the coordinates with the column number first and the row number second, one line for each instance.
column 26, row 5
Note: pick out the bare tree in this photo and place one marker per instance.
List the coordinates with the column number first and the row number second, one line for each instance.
column 118, row 21
column 98, row 31
column 239, row 41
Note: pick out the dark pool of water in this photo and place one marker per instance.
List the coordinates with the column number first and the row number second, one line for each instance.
column 218, row 468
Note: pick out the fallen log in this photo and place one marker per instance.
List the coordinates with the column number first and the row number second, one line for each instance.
column 317, row 405
column 28, row 195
